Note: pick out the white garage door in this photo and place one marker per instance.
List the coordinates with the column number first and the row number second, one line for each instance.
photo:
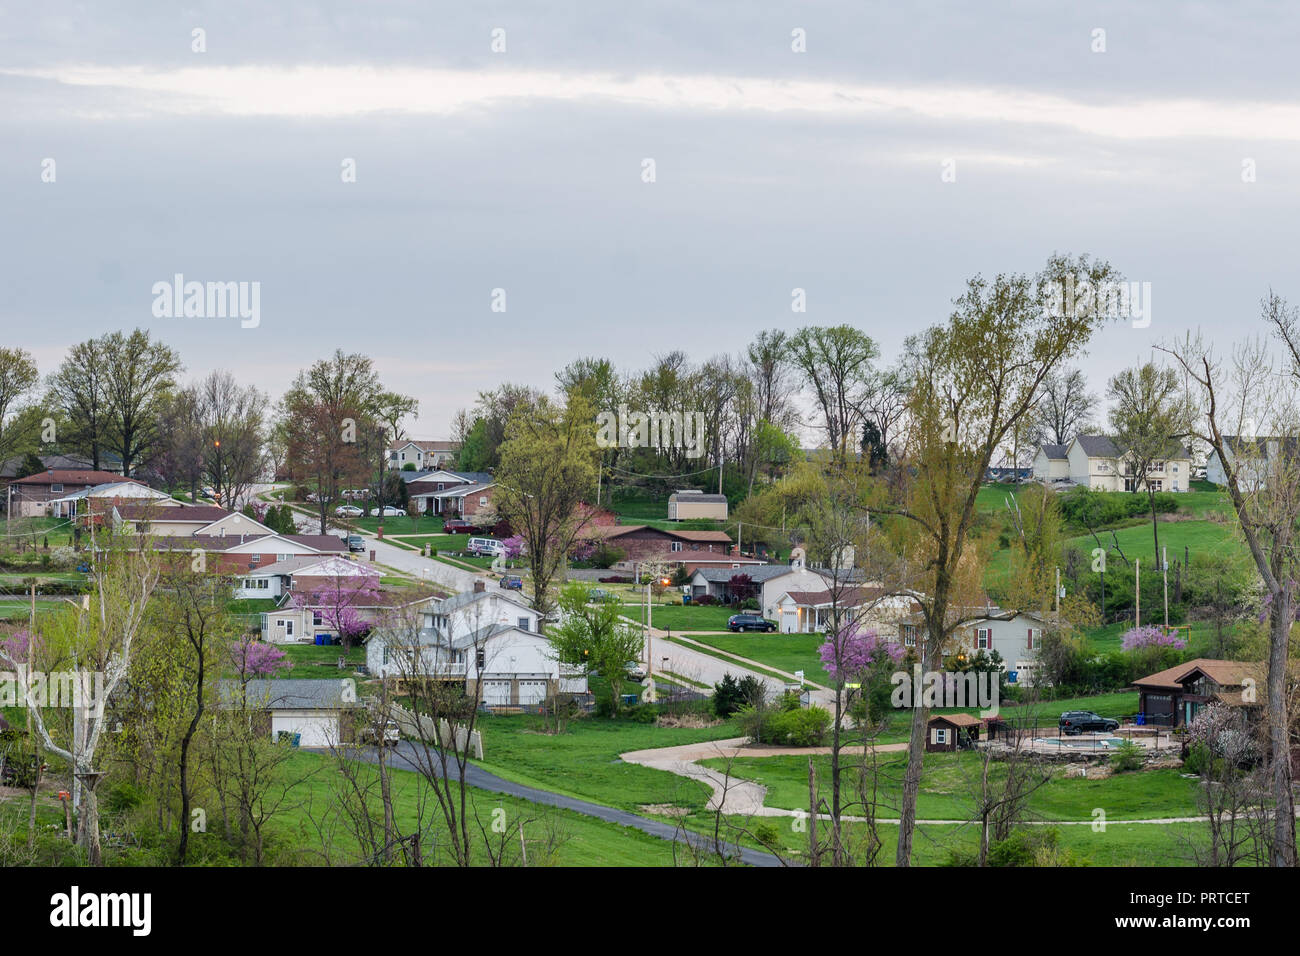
column 496, row 692
column 316, row 730
column 532, row 691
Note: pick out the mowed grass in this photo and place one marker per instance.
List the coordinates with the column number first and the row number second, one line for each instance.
column 583, row 841
column 783, row 652
column 309, row 662
column 680, row 617
column 950, row 784
column 584, row 761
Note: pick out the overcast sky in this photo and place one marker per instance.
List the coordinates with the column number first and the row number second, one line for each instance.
column 522, row 170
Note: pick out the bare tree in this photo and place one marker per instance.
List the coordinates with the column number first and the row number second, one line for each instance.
column 1065, row 407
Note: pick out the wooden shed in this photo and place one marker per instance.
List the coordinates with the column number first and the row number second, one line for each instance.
column 951, row 731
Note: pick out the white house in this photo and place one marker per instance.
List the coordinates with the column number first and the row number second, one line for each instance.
column 1251, row 458
column 774, row 582
column 1016, row 640
column 423, row 454
column 476, row 635
column 810, row 612
column 1096, row 462
column 185, row 520
column 315, row 710
column 1052, row 463
column 302, row 573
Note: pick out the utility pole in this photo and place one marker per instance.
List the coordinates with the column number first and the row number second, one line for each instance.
column 1058, row 592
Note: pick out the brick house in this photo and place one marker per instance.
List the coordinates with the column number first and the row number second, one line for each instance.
column 34, row 495
column 644, row 543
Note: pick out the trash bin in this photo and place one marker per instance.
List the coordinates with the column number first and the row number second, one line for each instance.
column 1140, row 720
column 322, row 640
column 686, row 599
column 629, row 699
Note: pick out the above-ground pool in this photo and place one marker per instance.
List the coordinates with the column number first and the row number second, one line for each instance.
column 1089, row 744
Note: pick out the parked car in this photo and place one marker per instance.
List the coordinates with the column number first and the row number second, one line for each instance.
column 1074, row 722
column 512, row 582
column 750, row 622
column 356, row 542
column 392, row 510
column 485, row 547
column 601, row 595
column 458, row 526
column 348, row 511
column 635, row 670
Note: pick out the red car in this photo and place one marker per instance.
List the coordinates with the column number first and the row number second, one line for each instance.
column 458, row 526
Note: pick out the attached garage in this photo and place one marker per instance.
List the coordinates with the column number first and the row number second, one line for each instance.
column 496, row 693
column 532, row 691
column 315, row 729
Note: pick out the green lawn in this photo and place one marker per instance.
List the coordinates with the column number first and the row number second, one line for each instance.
column 949, row 781
column 584, row 762
column 396, row 524
column 784, row 652
column 310, row 662
column 680, row 617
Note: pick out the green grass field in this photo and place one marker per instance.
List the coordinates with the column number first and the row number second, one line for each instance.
column 309, row 662
column 784, row 652
column 679, row 617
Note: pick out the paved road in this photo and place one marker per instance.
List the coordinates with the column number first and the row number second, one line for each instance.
column 406, row 756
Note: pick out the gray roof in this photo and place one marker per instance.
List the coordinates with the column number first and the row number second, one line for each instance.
column 1097, row 446
column 1100, row 446
column 697, row 496
column 762, row 572
column 289, row 694
column 466, row 598
column 480, row 637
column 1054, row 451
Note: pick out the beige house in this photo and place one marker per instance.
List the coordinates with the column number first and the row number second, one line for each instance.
column 184, row 521
column 423, row 454
column 1052, row 463
column 685, row 505
column 1096, row 462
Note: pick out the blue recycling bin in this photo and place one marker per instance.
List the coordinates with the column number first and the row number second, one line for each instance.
column 629, row 699
column 1140, row 720
column 686, row 599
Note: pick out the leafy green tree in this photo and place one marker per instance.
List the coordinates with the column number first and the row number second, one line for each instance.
column 594, row 637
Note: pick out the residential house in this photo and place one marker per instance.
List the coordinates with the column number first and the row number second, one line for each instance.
column 1173, row 697
column 1096, row 462
column 477, row 635
column 423, row 454
column 687, row 505
column 239, row 554
column 1016, row 637
column 423, row 486
column 812, row 612
column 770, row 583
column 56, row 492
column 321, row 713
column 463, row 501
column 315, row 614
column 642, row 543
column 1052, row 463
column 1253, row 459
column 303, row 574
column 183, row 521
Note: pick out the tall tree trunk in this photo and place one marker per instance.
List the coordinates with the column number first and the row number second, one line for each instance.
column 1283, row 615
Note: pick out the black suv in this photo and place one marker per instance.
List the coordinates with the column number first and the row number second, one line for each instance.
column 749, row 622
column 1075, row 722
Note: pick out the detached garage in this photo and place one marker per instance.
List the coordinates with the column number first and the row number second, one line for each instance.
column 318, row 712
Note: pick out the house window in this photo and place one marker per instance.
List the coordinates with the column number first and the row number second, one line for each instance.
column 940, row 735
column 1157, row 466
column 523, row 623
column 1175, row 469
column 1029, row 639
column 482, row 501
column 983, row 638
column 385, row 655
column 283, row 557
column 909, row 635
column 263, row 584
column 254, row 560
column 316, row 619
column 288, row 627
column 56, row 488
column 480, row 659
column 676, row 546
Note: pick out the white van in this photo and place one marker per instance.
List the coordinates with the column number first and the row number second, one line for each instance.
column 485, row 547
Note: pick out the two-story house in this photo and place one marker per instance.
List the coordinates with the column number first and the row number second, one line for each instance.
column 1096, row 462
column 1253, row 459
column 424, row 455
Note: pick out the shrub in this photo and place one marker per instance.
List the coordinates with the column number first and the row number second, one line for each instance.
column 727, row 696
column 1024, row 847
column 1127, row 757
column 706, row 600
column 749, row 604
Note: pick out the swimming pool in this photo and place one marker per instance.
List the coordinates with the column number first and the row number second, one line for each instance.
column 1097, row 743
